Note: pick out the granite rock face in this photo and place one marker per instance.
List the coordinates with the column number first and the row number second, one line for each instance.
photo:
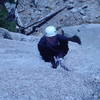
column 25, row 76
column 5, row 34
column 77, row 12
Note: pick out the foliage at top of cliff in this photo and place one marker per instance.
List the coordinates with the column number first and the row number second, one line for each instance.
column 4, row 22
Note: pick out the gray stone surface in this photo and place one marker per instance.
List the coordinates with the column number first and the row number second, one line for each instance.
column 84, row 11
column 30, row 11
column 25, row 76
column 5, row 34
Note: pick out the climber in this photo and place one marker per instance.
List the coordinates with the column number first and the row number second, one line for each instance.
column 53, row 47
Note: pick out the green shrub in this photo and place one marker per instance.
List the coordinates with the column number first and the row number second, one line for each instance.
column 11, row 1
column 4, row 23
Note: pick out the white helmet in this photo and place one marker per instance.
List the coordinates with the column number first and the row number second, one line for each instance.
column 50, row 31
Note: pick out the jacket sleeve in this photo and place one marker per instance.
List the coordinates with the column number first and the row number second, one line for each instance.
column 65, row 39
column 75, row 39
column 43, row 50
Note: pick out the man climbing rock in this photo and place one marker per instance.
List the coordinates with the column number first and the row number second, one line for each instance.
column 53, row 47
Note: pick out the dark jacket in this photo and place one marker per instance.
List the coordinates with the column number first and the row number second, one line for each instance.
column 48, row 51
